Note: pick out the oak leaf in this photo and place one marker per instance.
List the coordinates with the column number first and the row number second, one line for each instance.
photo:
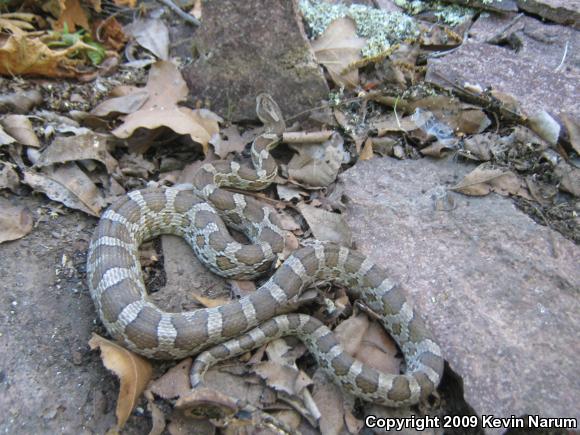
column 133, row 371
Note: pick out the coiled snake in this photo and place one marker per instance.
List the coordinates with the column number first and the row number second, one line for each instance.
column 198, row 215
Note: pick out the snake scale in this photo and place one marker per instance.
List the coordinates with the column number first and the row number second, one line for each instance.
column 201, row 215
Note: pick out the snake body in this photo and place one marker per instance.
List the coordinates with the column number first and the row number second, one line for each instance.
column 201, row 216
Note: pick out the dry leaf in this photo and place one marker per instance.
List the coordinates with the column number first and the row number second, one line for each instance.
column 337, row 48
column 569, row 178
column 281, row 377
column 573, row 129
column 24, row 53
column 134, row 373
column 157, row 418
column 15, row 221
column 485, row 179
column 439, row 148
column 166, row 88
column 182, row 120
column 20, row 102
column 317, row 165
column 73, row 15
column 229, row 141
column 545, row 126
column 288, row 192
column 20, row 128
column 5, row 138
column 211, row 303
column 201, row 402
column 327, row 226
column 91, row 146
column 151, row 34
column 329, row 400
column 367, row 151
column 8, row 178
column 67, row 184
column 175, row 382
column 121, row 105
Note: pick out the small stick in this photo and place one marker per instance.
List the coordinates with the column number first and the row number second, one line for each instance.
column 184, row 15
column 306, row 137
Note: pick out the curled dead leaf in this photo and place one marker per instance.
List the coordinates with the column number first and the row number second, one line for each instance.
column 337, row 48
column 20, row 128
column 133, row 371
column 485, row 179
column 88, row 146
column 67, row 184
column 317, row 165
column 174, row 382
column 327, row 226
column 206, row 403
column 15, row 221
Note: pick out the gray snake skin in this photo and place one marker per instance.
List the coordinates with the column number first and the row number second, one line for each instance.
column 201, row 215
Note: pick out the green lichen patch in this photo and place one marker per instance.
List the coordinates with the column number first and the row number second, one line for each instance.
column 382, row 29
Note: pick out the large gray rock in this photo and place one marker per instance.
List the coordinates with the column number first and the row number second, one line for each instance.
column 559, row 11
column 500, row 292
column 244, row 48
column 533, row 74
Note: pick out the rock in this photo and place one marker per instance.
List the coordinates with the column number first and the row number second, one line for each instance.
column 499, row 291
column 559, row 11
column 528, row 74
column 246, row 48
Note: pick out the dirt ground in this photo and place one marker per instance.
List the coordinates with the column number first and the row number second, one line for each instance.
column 50, row 381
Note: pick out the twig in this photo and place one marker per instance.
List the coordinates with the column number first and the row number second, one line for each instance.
column 306, row 137
column 501, row 34
column 184, row 15
column 563, row 58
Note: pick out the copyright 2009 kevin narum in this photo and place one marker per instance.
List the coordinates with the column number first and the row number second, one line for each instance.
column 471, row 421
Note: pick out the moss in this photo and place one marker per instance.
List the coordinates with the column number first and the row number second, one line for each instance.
column 451, row 15
column 381, row 28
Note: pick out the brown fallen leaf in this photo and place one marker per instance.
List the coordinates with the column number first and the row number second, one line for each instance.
column 71, row 14
column 203, row 402
column 572, row 125
column 211, row 303
column 124, row 104
column 326, row 226
column 486, row 179
column 151, row 34
column 5, row 138
column 229, row 141
column 545, row 126
column 20, row 128
column 67, row 184
column 282, row 377
column 367, row 151
column 330, row 402
column 20, row 102
column 182, row 120
column 174, row 382
column 88, row 146
column 317, row 165
column 133, row 371
column 15, row 221
column 569, row 178
column 337, row 48
column 8, row 178
column 440, row 148
column 26, row 53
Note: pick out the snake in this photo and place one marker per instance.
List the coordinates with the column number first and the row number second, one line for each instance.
column 202, row 213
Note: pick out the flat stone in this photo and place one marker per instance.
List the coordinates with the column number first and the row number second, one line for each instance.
column 559, row 11
column 529, row 75
column 499, row 291
column 244, row 48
